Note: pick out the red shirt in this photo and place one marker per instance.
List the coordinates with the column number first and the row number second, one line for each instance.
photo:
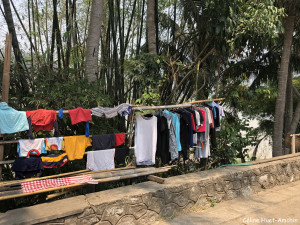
column 80, row 115
column 42, row 119
column 202, row 128
column 120, row 139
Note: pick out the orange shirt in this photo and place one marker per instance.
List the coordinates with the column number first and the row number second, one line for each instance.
column 75, row 146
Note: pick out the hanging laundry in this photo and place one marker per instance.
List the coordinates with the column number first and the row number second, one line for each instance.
column 162, row 150
column 177, row 128
column 61, row 113
column 33, row 186
column 27, row 146
column 11, row 120
column 201, row 128
column 122, row 156
column 194, row 121
column 100, row 160
column 184, row 132
column 54, row 161
column 122, row 109
column 212, row 131
column 173, row 149
column 191, row 127
column 216, row 116
column 81, row 115
column 203, row 146
column 104, row 141
column 221, row 113
column 24, row 167
column 54, row 143
column 75, row 146
column 120, row 139
column 42, row 120
column 145, row 139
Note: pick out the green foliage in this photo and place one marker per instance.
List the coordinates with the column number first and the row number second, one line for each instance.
column 232, row 140
column 254, row 24
column 143, row 71
column 149, row 99
column 53, row 91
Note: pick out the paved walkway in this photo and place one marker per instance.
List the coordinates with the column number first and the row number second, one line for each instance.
column 279, row 205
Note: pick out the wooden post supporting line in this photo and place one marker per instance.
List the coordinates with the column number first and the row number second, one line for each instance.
column 5, row 85
column 293, row 144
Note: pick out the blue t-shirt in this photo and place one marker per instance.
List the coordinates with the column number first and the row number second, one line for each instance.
column 177, row 127
column 11, row 120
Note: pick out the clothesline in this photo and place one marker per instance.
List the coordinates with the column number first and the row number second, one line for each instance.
column 17, row 141
column 183, row 105
column 141, row 107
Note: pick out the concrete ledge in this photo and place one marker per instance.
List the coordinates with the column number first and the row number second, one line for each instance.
column 146, row 202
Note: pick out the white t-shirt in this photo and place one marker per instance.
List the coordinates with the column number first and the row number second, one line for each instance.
column 145, row 139
column 54, row 143
column 26, row 145
column 100, row 160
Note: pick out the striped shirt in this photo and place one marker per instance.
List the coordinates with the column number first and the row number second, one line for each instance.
column 122, row 109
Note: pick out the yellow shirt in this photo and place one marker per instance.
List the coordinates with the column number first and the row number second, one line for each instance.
column 75, row 146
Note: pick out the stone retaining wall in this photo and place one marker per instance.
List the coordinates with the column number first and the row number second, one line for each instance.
column 146, row 202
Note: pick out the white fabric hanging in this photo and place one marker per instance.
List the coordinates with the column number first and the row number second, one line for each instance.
column 100, row 160
column 145, row 139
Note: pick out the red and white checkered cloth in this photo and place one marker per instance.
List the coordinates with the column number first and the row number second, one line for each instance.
column 33, row 186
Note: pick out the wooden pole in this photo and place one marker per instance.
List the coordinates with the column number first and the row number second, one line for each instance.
column 5, row 84
column 156, row 179
column 19, row 193
column 293, row 144
column 79, row 172
column 206, row 100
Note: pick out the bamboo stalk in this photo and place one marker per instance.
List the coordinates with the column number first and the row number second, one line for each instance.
column 51, row 196
column 18, row 193
column 293, row 144
column 5, row 84
column 206, row 100
column 185, row 105
column 156, row 179
column 12, row 182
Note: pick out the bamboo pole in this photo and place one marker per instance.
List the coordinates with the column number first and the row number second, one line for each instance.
column 156, row 179
column 14, row 182
column 95, row 175
column 185, row 105
column 293, row 144
column 51, row 196
column 206, row 100
column 19, row 193
column 5, row 85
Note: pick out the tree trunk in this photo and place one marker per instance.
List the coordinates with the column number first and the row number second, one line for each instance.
column 289, row 102
column 282, row 82
column 139, row 36
column 92, row 48
column 295, row 120
column 151, row 30
column 15, row 44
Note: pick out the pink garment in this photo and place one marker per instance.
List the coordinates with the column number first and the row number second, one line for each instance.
column 33, row 186
column 202, row 128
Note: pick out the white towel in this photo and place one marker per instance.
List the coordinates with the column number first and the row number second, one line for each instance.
column 100, row 160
